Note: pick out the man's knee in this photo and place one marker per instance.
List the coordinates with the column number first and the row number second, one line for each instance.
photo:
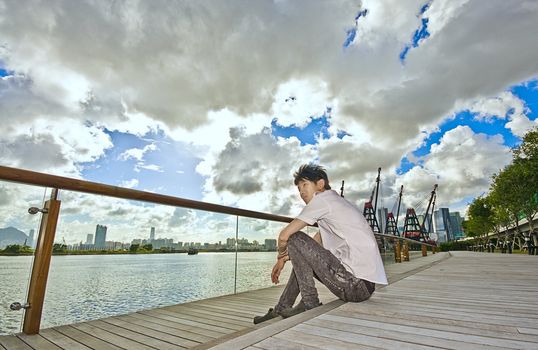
column 297, row 238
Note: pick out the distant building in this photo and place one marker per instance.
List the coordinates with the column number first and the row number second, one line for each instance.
column 443, row 226
column 230, row 242
column 152, row 234
column 30, row 242
column 100, row 237
column 89, row 238
column 270, row 244
column 456, row 222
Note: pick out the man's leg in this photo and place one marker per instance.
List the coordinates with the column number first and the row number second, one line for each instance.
column 290, row 293
column 309, row 259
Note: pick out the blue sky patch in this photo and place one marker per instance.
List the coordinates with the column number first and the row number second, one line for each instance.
column 176, row 162
column 420, row 34
column 308, row 134
column 4, row 73
column 352, row 33
column 527, row 92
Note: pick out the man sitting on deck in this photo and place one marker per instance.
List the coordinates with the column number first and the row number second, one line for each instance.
column 343, row 255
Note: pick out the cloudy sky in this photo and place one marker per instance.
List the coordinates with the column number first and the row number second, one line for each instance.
column 221, row 101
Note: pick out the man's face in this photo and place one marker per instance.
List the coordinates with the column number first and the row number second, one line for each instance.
column 307, row 189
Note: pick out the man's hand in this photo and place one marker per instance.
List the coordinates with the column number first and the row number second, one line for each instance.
column 275, row 274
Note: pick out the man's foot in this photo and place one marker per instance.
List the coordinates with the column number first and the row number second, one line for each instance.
column 297, row 309
column 268, row 316
column 292, row 311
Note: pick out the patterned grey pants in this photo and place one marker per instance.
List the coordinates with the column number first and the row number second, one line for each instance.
column 309, row 260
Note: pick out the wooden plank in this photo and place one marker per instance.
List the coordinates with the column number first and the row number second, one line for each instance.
column 360, row 339
column 36, row 341
column 210, row 317
column 11, row 342
column 61, row 340
column 316, row 341
column 429, row 324
column 431, row 318
column 533, row 331
column 182, row 331
column 242, row 321
column 85, row 338
column 423, row 335
column 135, row 336
column 111, row 338
column 172, row 339
column 285, row 344
column 230, row 327
column 209, row 329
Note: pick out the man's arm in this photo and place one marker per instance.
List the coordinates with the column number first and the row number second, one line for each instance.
column 317, row 238
column 291, row 228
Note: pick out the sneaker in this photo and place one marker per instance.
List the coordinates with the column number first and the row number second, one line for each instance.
column 292, row 311
column 268, row 316
column 297, row 309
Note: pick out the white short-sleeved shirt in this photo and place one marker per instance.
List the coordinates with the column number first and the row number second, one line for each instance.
column 346, row 234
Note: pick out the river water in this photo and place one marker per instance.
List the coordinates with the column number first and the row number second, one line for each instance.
column 89, row 287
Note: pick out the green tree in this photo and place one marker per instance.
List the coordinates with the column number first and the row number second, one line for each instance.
column 17, row 249
column 526, row 160
column 59, row 248
column 134, row 248
column 480, row 220
column 148, row 247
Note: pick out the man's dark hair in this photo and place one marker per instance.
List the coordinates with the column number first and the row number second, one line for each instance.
column 311, row 172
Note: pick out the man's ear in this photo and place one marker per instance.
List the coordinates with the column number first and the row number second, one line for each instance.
column 320, row 184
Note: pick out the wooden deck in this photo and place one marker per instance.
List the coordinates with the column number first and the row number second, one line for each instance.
column 470, row 300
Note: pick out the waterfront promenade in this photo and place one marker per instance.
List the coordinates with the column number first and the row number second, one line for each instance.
column 461, row 300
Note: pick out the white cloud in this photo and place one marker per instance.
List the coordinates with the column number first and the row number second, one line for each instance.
column 462, row 163
column 504, row 106
column 196, row 70
column 152, row 167
column 137, row 153
column 129, row 183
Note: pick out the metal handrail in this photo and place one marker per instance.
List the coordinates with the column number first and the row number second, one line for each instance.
column 65, row 183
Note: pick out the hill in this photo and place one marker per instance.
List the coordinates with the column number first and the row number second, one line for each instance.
column 11, row 235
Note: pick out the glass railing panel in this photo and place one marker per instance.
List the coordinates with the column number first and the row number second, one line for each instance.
column 257, row 245
column 18, row 233
column 141, row 262
column 386, row 248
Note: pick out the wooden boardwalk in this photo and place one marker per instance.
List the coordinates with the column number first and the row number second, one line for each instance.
column 470, row 300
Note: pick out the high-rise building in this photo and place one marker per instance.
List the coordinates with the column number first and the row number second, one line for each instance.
column 30, row 242
column 152, row 234
column 270, row 244
column 89, row 238
column 443, row 227
column 456, row 223
column 100, row 237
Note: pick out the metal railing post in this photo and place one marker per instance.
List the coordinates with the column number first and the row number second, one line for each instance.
column 405, row 251
column 398, row 252
column 41, row 265
column 236, row 246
